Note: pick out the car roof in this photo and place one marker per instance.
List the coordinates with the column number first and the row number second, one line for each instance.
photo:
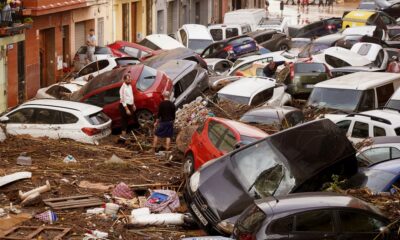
column 347, row 55
column 242, row 128
column 197, row 31
column 247, row 87
column 385, row 140
column 134, row 45
column 164, row 40
column 315, row 200
column 271, row 111
column 84, row 108
column 391, row 166
column 359, row 80
column 358, row 15
column 175, row 68
column 392, row 116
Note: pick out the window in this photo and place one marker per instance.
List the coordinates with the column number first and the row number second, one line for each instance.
column 111, row 95
column 315, row 221
column 183, row 37
column 360, row 130
column 397, row 130
column 231, row 32
column 188, row 79
column 367, row 101
column 374, row 155
column 216, row 34
column 47, row 116
column 250, row 221
column 379, row 58
column 145, row 42
column 98, row 118
column 133, row 52
column 364, row 49
column 379, row 132
column 93, row 67
column 335, row 62
column 384, row 93
column 228, row 142
column 96, row 99
column 344, row 125
column 178, row 90
column 222, row 66
column 359, row 222
column 283, row 225
column 262, row 97
column 24, row 115
column 215, row 132
column 68, row 118
column 146, row 79
column 246, row 29
column 386, row 19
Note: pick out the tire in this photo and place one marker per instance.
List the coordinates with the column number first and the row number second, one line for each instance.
column 144, row 117
column 283, row 47
column 188, row 165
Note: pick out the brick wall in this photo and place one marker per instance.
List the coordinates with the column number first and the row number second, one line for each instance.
column 12, row 78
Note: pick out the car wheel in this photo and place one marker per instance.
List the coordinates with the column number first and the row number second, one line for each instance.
column 283, row 47
column 145, row 117
column 188, row 166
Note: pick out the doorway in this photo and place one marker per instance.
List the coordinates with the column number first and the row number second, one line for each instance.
column 3, row 80
column 47, row 57
column 133, row 21
column 21, row 72
column 100, row 31
column 125, row 22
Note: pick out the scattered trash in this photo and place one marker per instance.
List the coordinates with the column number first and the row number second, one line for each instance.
column 191, row 114
column 47, row 216
column 114, row 159
column 32, row 199
column 96, row 234
column 69, row 159
column 140, row 212
column 111, row 209
column 123, row 191
column 2, row 212
column 24, row 160
column 14, row 177
column 95, row 211
column 39, row 190
column 94, row 186
column 130, row 203
column 35, row 232
column 163, row 201
column 73, row 202
column 14, row 209
column 158, row 219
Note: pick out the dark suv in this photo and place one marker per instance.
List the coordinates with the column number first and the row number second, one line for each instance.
column 271, row 40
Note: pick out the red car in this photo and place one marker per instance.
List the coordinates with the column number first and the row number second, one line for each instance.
column 148, row 86
column 216, row 137
column 128, row 49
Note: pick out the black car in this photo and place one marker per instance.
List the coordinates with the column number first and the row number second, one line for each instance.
column 271, row 40
column 392, row 8
column 175, row 54
column 299, row 159
column 231, row 48
column 318, row 29
column 312, row 216
column 281, row 117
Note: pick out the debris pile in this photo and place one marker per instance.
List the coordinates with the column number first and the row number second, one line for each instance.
column 193, row 113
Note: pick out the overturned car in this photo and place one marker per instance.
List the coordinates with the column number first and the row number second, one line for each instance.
column 300, row 159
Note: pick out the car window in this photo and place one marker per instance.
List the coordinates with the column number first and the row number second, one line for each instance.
column 384, row 93
column 314, row 221
column 24, row 115
column 146, row 79
column 183, row 37
column 47, row 116
column 309, row 68
column 216, row 34
column 364, row 49
column 178, row 89
column 283, row 225
column 335, row 62
column 96, row 99
column 397, row 130
column 145, row 42
column 359, row 222
column 102, row 50
column 379, row 58
column 374, row 155
column 395, row 153
column 250, row 221
column 98, row 118
column 208, row 51
column 133, row 52
column 367, row 100
column 68, row 118
column 294, row 118
column 215, row 132
column 379, row 132
column 262, row 97
column 111, row 95
column 360, row 130
column 126, row 62
column 93, row 67
column 344, row 125
column 188, row 79
column 228, row 142
column 386, row 19
column 231, row 32
column 222, row 66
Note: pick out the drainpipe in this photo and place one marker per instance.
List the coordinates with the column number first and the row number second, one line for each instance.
column 112, row 21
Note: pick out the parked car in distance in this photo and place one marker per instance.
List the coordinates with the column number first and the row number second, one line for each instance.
column 358, row 18
column 128, row 49
column 175, row 54
column 83, row 76
column 160, row 42
column 188, row 78
column 224, row 31
column 58, row 119
column 247, row 16
column 349, row 94
column 218, row 66
column 312, row 216
column 379, row 177
column 318, row 28
column 81, row 60
column 270, row 23
column 271, row 40
column 255, row 91
column 282, row 163
column 195, row 37
column 381, row 149
column 281, row 117
column 148, row 85
column 216, row 137
column 231, row 49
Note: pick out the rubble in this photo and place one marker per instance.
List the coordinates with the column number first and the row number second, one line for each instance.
column 191, row 114
column 14, row 177
column 38, row 190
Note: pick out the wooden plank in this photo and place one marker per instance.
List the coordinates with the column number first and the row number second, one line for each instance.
column 35, row 231
column 66, row 198
column 79, row 206
column 74, row 202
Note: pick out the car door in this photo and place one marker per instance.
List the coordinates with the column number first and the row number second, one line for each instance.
column 70, row 127
column 360, row 131
column 94, row 69
column 48, row 123
column 210, row 141
column 314, row 225
column 357, row 225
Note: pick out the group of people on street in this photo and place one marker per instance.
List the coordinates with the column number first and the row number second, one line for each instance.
column 305, row 3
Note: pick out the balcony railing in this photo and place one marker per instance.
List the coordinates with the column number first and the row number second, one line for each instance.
column 12, row 21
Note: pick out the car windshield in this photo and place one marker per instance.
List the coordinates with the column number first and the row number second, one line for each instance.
column 245, row 140
column 393, row 104
column 198, row 45
column 260, row 167
column 299, row 43
column 373, row 179
column 309, row 68
column 147, row 78
column 234, row 98
column 269, row 21
column 311, row 49
column 270, row 119
column 343, row 99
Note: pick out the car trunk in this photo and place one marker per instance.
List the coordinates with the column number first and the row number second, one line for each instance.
column 308, row 80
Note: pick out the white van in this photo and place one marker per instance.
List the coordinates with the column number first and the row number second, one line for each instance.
column 223, row 31
column 160, row 42
column 194, row 36
column 356, row 92
column 249, row 16
column 394, row 101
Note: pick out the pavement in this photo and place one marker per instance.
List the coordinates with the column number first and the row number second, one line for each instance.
column 300, row 16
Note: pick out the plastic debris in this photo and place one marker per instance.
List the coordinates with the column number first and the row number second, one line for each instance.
column 24, row 160
column 47, row 216
column 114, row 159
column 95, row 211
column 69, row 159
column 163, row 201
column 111, row 209
column 123, row 191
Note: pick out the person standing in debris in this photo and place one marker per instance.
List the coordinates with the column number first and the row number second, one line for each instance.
column 91, row 45
column 165, row 122
column 270, row 69
column 126, row 107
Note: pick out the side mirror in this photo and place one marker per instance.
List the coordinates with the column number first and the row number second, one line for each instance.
column 4, row 119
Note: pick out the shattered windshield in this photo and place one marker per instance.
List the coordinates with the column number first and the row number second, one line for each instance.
column 343, row 99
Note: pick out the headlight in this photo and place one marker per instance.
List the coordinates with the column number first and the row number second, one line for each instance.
column 227, row 227
column 194, row 181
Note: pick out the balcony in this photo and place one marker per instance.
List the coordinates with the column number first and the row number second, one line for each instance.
column 43, row 7
column 13, row 21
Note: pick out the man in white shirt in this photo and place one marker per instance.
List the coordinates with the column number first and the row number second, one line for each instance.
column 126, row 106
column 91, row 45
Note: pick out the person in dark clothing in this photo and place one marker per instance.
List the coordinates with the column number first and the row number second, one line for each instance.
column 270, row 69
column 165, row 122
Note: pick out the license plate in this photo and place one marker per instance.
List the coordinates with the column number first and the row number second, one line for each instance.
column 309, row 86
column 199, row 215
column 245, row 46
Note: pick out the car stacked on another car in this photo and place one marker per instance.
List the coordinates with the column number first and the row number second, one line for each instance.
column 271, row 40
column 80, row 59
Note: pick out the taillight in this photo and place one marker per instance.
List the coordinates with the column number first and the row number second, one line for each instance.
column 247, row 237
column 91, row 131
column 228, row 48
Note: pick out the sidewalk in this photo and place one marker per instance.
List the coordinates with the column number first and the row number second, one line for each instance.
column 299, row 16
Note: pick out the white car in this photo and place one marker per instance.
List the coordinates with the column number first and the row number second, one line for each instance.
column 373, row 52
column 223, row 31
column 374, row 123
column 81, row 78
column 80, row 59
column 58, row 119
column 195, row 37
column 278, row 24
column 335, row 57
column 255, row 91
column 218, row 65
column 382, row 149
column 245, row 16
column 160, row 42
